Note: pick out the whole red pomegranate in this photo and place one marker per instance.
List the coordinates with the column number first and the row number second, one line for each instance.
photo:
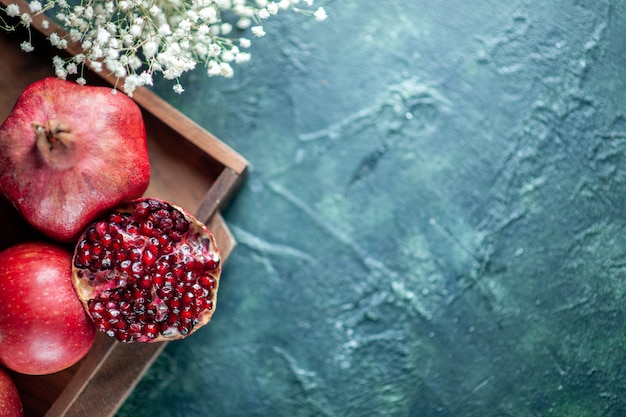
column 69, row 152
column 43, row 325
column 10, row 401
column 148, row 271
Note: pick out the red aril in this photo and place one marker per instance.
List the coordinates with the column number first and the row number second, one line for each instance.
column 43, row 326
column 69, row 152
column 148, row 271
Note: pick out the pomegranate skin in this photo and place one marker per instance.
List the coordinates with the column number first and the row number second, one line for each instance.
column 68, row 153
column 43, row 326
column 10, row 401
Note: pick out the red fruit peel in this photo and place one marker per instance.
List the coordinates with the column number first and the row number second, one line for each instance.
column 43, row 325
column 68, row 153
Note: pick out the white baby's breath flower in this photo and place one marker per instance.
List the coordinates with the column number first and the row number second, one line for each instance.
column 146, row 78
column 223, row 4
column 185, row 25
column 208, row 14
column 150, row 49
column 272, row 8
column 242, row 57
column 96, row 66
column 227, row 56
column 27, row 47
column 26, row 19
column 88, row 13
column 35, row 6
column 135, row 30
column 226, row 70
column 54, row 39
column 320, row 14
column 244, row 23
column 193, row 15
column 131, row 83
column 164, row 30
column 204, row 30
column 214, row 50
column 134, row 62
column 155, row 10
column 136, row 39
column 57, row 61
column 226, row 29
column 60, row 72
column 71, row 68
column 258, row 31
column 213, row 68
column 103, row 36
column 13, row 10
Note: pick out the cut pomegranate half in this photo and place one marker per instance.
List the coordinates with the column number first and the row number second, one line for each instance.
column 147, row 272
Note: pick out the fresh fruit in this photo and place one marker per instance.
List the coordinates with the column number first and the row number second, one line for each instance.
column 148, row 271
column 68, row 153
column 43, row 325
column 10, row 401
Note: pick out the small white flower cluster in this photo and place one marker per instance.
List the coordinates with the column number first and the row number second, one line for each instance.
column 136, row 39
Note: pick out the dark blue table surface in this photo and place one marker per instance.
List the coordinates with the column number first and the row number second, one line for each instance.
column 434, row 221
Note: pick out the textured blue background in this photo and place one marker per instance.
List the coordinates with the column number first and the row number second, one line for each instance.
column 434, row 221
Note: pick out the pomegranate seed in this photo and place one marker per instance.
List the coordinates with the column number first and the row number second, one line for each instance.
column 137, row 268
column 165, row 292
column 178, row 271
column 132, row 229
column 158, row 281
column 141, row 211
column 123, row 336
column 201, row 304
column 148, row 258
column 113, row 312
column 151, row 330
column 166, row 223
column 172, row 319
column 206, row 282
column 175, row 305
column 135, row 254
column 145, row 282
column 188, row 298
column 187, row 316
column 146, row 228
column 117, row 218
column 124, row 266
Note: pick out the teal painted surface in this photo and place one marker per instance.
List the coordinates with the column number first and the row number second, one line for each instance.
column 434, row 222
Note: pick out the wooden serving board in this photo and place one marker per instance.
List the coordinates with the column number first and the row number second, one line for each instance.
column 190, row 167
